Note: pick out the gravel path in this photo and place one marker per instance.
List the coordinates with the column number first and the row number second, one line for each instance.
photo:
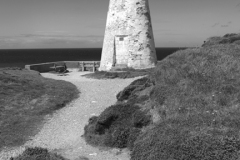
column 62, row 132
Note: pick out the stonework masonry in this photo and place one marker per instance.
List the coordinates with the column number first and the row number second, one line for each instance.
column 128, row 39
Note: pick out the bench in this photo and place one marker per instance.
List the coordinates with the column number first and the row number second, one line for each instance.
column 88, row 64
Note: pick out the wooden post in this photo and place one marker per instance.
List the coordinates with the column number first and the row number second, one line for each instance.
column 55, row 68
column 82, row 66
column 94, row 66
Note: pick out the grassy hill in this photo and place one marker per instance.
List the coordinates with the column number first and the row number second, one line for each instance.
column 186, row 109
column 25, row 99
column 231, row 38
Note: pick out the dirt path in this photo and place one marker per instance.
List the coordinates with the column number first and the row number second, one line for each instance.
column 62, row 132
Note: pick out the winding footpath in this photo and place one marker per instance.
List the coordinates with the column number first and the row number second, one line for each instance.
column 62, row 132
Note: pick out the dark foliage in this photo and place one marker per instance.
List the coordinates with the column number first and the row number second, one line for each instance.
column 117, row 126
column 131, row 91
column 38, row 154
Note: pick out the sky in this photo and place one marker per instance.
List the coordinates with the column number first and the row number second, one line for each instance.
column 81, row 23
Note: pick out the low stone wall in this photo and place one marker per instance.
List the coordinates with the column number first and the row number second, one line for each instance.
column 42, row 67
column 50, row 66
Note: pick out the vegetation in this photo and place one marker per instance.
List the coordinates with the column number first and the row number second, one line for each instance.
column 123, row 73
column 226, row 39
column 189, row 108
column 119, row 125
column 38, row 154
column 25, row 98
column 197, row 95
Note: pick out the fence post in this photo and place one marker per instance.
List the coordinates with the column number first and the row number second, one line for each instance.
column 93, row 66
column 82, row 66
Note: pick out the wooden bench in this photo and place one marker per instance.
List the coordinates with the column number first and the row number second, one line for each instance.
column 89, row 64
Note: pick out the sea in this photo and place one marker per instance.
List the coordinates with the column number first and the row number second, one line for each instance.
column 22, row 57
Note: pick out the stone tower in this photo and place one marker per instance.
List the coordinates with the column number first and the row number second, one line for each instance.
column 128, row 40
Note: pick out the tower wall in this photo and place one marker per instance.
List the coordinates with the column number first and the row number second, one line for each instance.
column 128, row 25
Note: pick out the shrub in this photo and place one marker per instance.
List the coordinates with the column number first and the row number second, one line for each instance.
column 131, row 90
column 117, row 126
column 38, row 154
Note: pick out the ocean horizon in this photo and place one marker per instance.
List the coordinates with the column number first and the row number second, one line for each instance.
column 22, row 57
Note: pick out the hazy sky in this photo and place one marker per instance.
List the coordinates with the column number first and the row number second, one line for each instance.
column 81, row 23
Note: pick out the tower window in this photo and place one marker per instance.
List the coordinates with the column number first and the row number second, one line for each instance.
column 121, row 39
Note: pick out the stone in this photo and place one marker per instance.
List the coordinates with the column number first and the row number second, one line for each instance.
column 128, row 36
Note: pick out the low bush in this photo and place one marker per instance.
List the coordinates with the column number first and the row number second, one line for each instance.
column 117, row 126
column 38, row 154
column 131, row 91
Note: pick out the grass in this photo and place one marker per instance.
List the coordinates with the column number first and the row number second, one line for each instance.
column 193, row 100
column 25, row 99
column 226, row 39
column 123, row 73
column 197, row 95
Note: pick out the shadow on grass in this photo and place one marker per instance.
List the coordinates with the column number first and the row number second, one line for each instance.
column 25, row 99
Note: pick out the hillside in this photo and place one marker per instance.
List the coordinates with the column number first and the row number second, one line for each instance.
column 187, row 108
column 232, row 38
column 25, row 99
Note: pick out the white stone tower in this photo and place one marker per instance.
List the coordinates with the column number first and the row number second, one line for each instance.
column 128, row 40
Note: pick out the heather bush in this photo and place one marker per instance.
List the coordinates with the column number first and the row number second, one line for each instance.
column 131, row 91
column 38, row 154
column 117, row 126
